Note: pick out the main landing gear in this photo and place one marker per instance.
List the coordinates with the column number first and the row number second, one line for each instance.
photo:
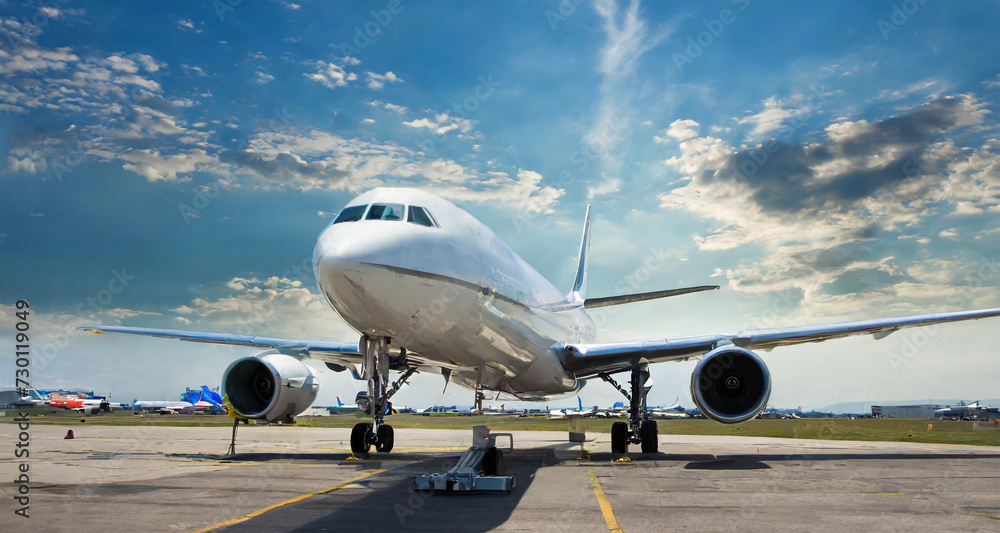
column 639, row 429
column 375, row 365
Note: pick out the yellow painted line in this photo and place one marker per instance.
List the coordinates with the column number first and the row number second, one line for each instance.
column 602, row 500
column 293, row 500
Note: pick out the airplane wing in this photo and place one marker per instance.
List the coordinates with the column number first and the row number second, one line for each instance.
column 338, row 356
column 339, row 353
column 588, row 360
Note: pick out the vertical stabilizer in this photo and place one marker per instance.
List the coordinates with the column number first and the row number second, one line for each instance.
column 579, row 290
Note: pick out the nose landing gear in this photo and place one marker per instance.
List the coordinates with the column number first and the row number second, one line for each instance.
column 375, row 369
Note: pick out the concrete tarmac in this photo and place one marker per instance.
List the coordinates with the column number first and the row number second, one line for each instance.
column 112, row 479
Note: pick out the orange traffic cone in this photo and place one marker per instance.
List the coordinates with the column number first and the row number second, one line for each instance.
column 69, row 435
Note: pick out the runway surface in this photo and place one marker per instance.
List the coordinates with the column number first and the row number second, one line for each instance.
column 113, row 479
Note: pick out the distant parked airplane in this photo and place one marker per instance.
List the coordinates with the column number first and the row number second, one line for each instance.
column 82, row 405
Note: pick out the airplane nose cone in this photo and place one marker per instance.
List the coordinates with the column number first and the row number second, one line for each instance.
column 343, row 255
column 354, row 243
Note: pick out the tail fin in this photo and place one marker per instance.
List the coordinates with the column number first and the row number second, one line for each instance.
column 579, row 403
column 339, row 403
column 579, row 290
column 210, row 396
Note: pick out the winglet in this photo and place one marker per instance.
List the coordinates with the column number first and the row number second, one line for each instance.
column 579, row 290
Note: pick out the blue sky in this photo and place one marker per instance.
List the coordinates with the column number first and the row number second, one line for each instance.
column 820, row 161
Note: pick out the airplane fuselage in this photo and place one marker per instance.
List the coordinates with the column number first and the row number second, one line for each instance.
column 452, row 292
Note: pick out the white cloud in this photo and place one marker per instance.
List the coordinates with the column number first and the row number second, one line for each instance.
column 155, row 166
column 28, row 59
column 331, row 75
column 966, row 208
column 679, row 129
column 377, row 81
column 441, row 124
column 604, row 188
column 812, row 207
column 395, row 108
column 949, row 233
column 772, row 116
column 320, row 160
column 627, row 39
column 262, row 78
column 26, row 160
column 930, row 88
column 187, row 25
column 192, row 70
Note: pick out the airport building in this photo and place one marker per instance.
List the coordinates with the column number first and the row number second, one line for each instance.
column 905, row 411
column 933, row 411
column 8, row 398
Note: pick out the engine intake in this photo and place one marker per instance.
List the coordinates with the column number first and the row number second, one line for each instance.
column 270, row 386
column 731, row 385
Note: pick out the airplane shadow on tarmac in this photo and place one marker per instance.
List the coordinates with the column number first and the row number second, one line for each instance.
column 391, row 503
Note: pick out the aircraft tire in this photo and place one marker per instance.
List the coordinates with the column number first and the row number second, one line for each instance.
column 619, row 438
column 359, row 438
column 386, row 439
column 650, row 437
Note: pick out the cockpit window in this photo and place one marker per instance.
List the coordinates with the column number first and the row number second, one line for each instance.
column 351, row 214
column 386, row 212
column 419, row 215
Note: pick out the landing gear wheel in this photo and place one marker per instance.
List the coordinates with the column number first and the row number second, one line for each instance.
column 619, row 438
column 649, row 436
column 359, row 438
column 385, row 439
column 493, row 463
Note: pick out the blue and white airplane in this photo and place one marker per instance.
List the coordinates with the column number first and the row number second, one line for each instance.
column 431, row 289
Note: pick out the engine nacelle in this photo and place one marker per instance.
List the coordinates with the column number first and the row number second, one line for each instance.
column 731, row 385
column 270, row 386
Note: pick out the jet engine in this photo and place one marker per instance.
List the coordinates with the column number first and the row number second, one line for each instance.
column 270, row 386
column 731, row 385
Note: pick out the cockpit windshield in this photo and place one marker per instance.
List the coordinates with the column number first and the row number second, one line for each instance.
column 351, row 214
column 386, row 212
column 414, row 215
column 419, row 215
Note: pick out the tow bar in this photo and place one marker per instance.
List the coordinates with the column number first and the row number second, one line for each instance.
column 481, row 467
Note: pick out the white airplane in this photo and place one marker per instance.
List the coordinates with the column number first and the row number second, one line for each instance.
column 590, row 412
column 167, row 407
column 960, row 411
column 672, row 412
column 431, row 289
